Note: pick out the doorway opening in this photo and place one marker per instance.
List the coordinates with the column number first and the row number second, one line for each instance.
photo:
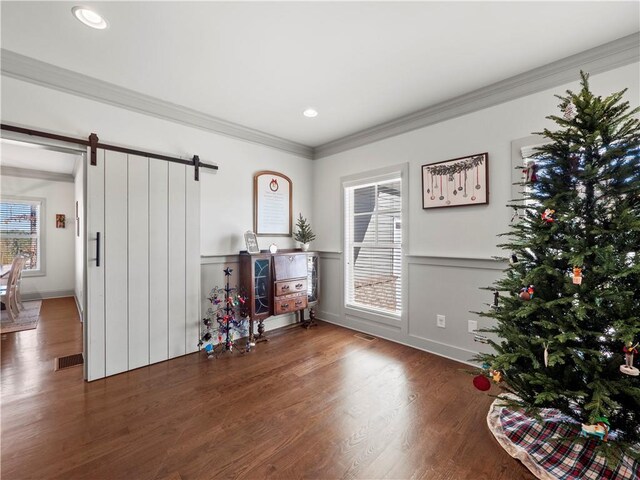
column 42, row 242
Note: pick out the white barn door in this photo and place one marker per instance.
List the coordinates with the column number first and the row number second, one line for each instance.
column 143, row 262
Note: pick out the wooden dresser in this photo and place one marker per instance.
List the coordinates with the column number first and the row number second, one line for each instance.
column 279, row 283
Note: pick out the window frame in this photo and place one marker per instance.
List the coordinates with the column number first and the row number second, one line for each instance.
column 517, row 162
column 358, row 180
column 42, row 264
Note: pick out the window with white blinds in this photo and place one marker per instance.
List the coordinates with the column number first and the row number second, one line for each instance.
column 20, row 232
column 373, row 246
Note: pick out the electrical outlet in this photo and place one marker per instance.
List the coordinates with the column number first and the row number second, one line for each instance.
column 440, row 321
column 473, row 326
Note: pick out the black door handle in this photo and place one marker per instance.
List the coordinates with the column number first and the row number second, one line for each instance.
column 98, row 249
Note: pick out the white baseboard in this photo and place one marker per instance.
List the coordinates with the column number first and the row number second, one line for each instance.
column 79, row 307
column 50, row 294
column 450, row 352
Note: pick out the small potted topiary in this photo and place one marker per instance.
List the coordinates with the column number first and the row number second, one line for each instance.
column 304, row 234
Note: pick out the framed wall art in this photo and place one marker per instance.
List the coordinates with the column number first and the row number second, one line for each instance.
column 457, row 182
column 272, row 194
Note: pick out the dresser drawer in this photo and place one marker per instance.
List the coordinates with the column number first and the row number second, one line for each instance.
column 290, row 304
column 291, row 286
column 288, row 266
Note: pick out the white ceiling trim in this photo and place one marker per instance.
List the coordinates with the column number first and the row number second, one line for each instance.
column 618, row 53
column 35, row 71
column 39, row 174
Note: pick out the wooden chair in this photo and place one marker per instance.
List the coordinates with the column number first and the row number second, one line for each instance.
column 9, row 294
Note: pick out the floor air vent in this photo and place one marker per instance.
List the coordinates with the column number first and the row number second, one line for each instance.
column 364, row 336
column 69, row 361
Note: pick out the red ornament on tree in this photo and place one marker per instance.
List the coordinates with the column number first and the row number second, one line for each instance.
column 482, row 383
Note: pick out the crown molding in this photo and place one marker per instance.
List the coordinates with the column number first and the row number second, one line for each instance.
column 618, row 53
column 45, row 74
column 31, row 173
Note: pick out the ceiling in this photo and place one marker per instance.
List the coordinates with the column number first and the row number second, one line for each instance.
column 360, row 64
column 35, row 157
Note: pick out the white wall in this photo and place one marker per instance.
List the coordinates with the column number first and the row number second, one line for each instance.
column 58, row 242
column 226, row 195
column 436, row 285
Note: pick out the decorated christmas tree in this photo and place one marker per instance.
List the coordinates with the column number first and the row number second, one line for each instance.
column 225, row 320
column 568, row 310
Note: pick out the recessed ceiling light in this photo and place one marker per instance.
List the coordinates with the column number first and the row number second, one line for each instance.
column 89, row 17
column 310, row 112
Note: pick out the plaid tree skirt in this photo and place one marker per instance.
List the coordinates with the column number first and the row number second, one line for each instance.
column 528, row 440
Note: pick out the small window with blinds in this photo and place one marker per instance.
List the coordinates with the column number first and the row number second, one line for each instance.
column 373, row 246
column 20, row 232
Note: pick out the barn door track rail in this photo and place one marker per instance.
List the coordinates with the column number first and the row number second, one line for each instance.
column 93, row 143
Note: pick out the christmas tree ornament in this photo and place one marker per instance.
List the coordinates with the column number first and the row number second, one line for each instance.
column 513, row 259
column 482, row 383
column 529, row 173
column 600, row 429
column 496, row 297
column 496, row 375
column 629, row 350
column 568, row 113
column 526, row 293
column 516, row 215
column 577, row 275
column 547, row 215
column 546, row 354
column 574, row 163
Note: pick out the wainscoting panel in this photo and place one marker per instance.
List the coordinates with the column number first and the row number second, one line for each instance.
column 331, row 291
column 436, row 285
column 452, row 291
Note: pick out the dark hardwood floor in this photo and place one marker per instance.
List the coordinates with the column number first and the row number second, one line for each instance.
column 319, row 403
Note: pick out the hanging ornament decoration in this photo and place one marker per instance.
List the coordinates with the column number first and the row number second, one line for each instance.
column 516, row 215
column 547, row 215
column 574, row 162
column 600, row 429
column 496, row 299
column 577, row 275
column 629, row 350
column 546, row 354
column 568, row 112
column 526, row 293
column 513, row 259
column 496, row 375
column 529, row 172
column 482, row 383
